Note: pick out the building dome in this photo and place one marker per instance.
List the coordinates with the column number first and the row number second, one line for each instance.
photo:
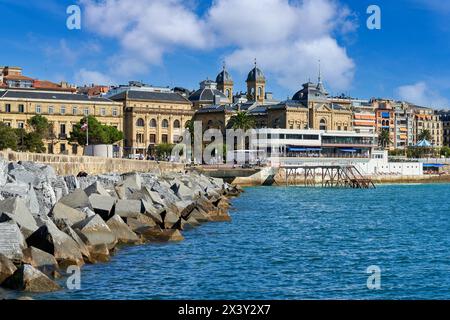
column 208, row 94
column 223, row 77
column 256, row 75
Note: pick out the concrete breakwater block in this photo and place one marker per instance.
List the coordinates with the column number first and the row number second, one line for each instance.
column 62, row 212
column 29, row 279
column 7, row 268
column 17, row 210
column 11, row 241
column 77, row 199
column 129, row 208
column 40, row 260
column 96, row 232
column 102, row 205
column 122, row 231
column 50, row 239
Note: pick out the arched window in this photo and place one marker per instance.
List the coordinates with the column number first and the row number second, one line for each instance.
column 259, row 92
column 323, row 124
column 176, row 124
column 228, row 93
column 153, row 123
column 165, row 124
column 140, row 122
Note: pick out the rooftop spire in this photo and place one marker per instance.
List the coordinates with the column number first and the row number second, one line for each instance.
column 320, row 73
column 255, row 63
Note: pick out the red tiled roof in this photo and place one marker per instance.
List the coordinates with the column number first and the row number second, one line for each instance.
column 17, row 77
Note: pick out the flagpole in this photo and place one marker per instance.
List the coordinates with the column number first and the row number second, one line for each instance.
column 87, row 131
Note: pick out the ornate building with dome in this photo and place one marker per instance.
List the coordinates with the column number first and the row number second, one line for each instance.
column 310, row 107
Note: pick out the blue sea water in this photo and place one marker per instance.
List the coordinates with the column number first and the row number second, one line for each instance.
column 294, row 243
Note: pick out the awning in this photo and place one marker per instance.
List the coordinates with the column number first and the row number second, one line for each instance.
column 433, row 165
column 299, row 149
column 296, row 149
column 348, row 150
column 385, row 115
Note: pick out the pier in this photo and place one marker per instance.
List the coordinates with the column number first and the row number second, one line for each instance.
column 332, row 176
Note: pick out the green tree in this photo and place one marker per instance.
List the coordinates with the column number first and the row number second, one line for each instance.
column 98, row 133
column 445, row 151
column 32, row 142
column 113, row 135
column 242, row 120
column 384, row 139
column 164, row 150
column 8, row 137
column 425, row 135
column 40, row 125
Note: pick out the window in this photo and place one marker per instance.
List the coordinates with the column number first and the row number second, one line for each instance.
column 114, row 112
column 153, row 138
column 63, row 109
column 74, row 149
column 228, row 93
column 38, row 109
column 140, row 122
column 139, row 138
column 62, row 147
column 176, row 124
column 50, row 110
column 165, row 138
column 86, row 112
column 165, row 124
column 259, row 92
column 323, row 124
column 62, row 129
column 103, row 112
column 21, row 108
column 7, row 107
column 20, row 125
column 74, row 111
column 153, row 123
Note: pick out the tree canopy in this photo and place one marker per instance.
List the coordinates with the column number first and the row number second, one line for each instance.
column 8, row 137
column 384, row 139
column 242, row 120
column 98, row 133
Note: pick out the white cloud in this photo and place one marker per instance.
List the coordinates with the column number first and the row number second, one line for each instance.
column 88, row 77
column 287, row 37
column 146, row 29
column 421, row 94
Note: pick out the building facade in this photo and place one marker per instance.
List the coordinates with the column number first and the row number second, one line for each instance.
column 63, row 111
column 428, row 119
column 151, row 117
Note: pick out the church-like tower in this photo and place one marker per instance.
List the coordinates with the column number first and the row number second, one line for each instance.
column 256, row 85
column 225, row 83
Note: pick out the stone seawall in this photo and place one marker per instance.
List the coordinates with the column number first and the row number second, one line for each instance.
column 72, row 165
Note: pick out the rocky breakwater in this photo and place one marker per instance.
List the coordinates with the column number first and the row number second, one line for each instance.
column 49, row 223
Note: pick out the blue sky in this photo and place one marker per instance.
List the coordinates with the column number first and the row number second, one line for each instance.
column 180, row 43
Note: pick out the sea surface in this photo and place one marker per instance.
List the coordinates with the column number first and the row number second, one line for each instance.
column 294, row 243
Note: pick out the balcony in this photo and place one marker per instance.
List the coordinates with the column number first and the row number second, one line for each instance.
column 62, row 136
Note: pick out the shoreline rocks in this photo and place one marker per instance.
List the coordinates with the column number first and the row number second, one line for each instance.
column 48, row 223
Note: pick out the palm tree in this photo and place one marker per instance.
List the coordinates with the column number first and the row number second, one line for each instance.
column 384, row 139
column 425, row 135
column 241, row 120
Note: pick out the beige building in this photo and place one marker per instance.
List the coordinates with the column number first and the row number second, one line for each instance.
column 152, row 116
column 63, row 111
column 428, row 119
